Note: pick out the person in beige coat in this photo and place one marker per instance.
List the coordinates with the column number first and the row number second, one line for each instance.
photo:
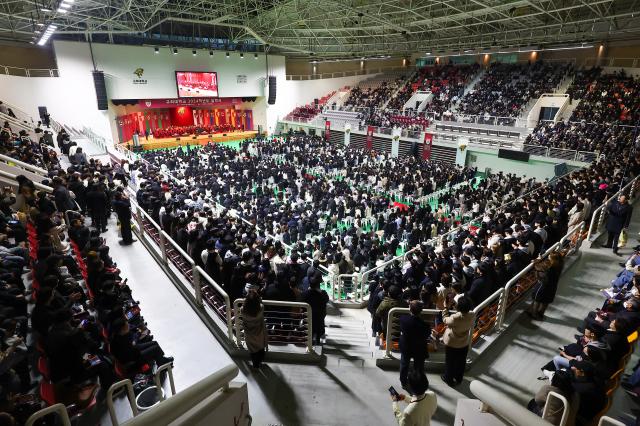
column 422, row 404
column 456, row 339
column 255, row 329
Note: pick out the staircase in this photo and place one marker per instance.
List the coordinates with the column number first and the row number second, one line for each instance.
column 406, row 81
column 566, row 114
column 348, row 337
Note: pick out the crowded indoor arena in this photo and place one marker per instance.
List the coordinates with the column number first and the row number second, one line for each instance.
column 319, row 213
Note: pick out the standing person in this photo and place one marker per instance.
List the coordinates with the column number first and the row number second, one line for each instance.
column 317, row 300
column 414, row 338
column 619, row 217
column 456, row 338
column 98, row 206
column 421, row 406
column 122, row 207
column 255, row 329
column 545, row 290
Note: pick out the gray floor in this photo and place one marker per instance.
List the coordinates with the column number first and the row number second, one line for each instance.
column 347, row 389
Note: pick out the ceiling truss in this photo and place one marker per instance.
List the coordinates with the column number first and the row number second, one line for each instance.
column 336, row 28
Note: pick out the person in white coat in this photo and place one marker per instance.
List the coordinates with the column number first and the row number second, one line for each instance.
column 422, row 404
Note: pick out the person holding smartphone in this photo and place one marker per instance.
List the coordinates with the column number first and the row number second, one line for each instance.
column 422, row 404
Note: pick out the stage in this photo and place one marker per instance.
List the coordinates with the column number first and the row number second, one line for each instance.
column 174, row 142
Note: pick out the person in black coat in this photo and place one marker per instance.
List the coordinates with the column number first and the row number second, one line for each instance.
column 126, row 350
column 317, row 300
column 414, row 338
column 122, row 207
column 619, row 217
column 545, row 289
column 98, row 206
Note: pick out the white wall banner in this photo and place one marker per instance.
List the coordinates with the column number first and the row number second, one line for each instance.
column 395, row 142
column 347, row 133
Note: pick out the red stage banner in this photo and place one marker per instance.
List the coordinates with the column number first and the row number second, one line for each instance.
column 427, row 145
column 370, row 137
column 168, row 103
column 327, row 130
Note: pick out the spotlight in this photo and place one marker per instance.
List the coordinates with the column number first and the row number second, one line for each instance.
column 211, row 53
column 61, row 10
column 255, row 56
column 241, row 55
column 227, row 55
column 175, row 51
column 156, row 50
column 65, row 5
column 194, row 52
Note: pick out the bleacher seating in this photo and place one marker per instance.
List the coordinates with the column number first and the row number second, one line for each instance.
column 506, row 88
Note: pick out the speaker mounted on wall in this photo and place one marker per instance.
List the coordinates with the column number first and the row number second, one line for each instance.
column 101, row 90
column 271, row 100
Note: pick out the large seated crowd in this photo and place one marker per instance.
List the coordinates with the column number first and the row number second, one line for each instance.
column 68, row 319
column 602, row 122
column 506, row 88
column 271, row 215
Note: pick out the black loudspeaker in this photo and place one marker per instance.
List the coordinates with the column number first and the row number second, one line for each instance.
column 272, row 90
column 513, row 155
column 315, row 101
column 101, row 90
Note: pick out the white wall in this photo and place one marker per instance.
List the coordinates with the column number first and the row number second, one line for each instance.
column 557, row 101
column 71, row 97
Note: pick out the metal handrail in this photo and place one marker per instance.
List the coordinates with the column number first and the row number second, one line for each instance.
column 171, row 409
column 23, row 165
column 227, row 301
column 38, row 186
column 609, row 421
column 396, row 312
column 565, row 405
column 131, row 397
column 307, row 309
column 505, row 408
column 59, row 409
column 27, row 72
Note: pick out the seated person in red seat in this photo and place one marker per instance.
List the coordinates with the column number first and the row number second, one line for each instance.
column 128, row 351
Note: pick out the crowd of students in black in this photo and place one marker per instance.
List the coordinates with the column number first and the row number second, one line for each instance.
column 506, row 88
column 69, row 324
column 604, row 120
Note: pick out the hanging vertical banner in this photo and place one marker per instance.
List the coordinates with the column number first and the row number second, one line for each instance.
column 395, row 142
column 347, row 134
column 327, row 130
column 427, row 145
column 370, row 137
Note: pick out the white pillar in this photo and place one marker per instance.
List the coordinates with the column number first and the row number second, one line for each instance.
column 347, row 133
column 395, row 142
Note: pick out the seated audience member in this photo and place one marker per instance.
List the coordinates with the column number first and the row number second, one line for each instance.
column 134, row 351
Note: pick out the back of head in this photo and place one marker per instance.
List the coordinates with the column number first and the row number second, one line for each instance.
column 418, row 382
column 415, row 307
column 464, row 305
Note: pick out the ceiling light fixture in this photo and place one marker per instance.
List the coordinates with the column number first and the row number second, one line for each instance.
column 211, row 53
column 47, row 34
column 194, row 52
column 227, row 55
column 241, row 55
column 175, row 51
column 61, row 10
column 156, row 50
column 255, row 56
column 65, row 5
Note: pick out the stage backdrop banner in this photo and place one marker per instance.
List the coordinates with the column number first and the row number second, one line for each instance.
column 370, row 137
column 182, row 116
column 426, row 147
column 327, row 130
column 168, row 103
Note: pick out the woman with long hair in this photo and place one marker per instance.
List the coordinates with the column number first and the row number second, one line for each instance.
column 255, row 329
